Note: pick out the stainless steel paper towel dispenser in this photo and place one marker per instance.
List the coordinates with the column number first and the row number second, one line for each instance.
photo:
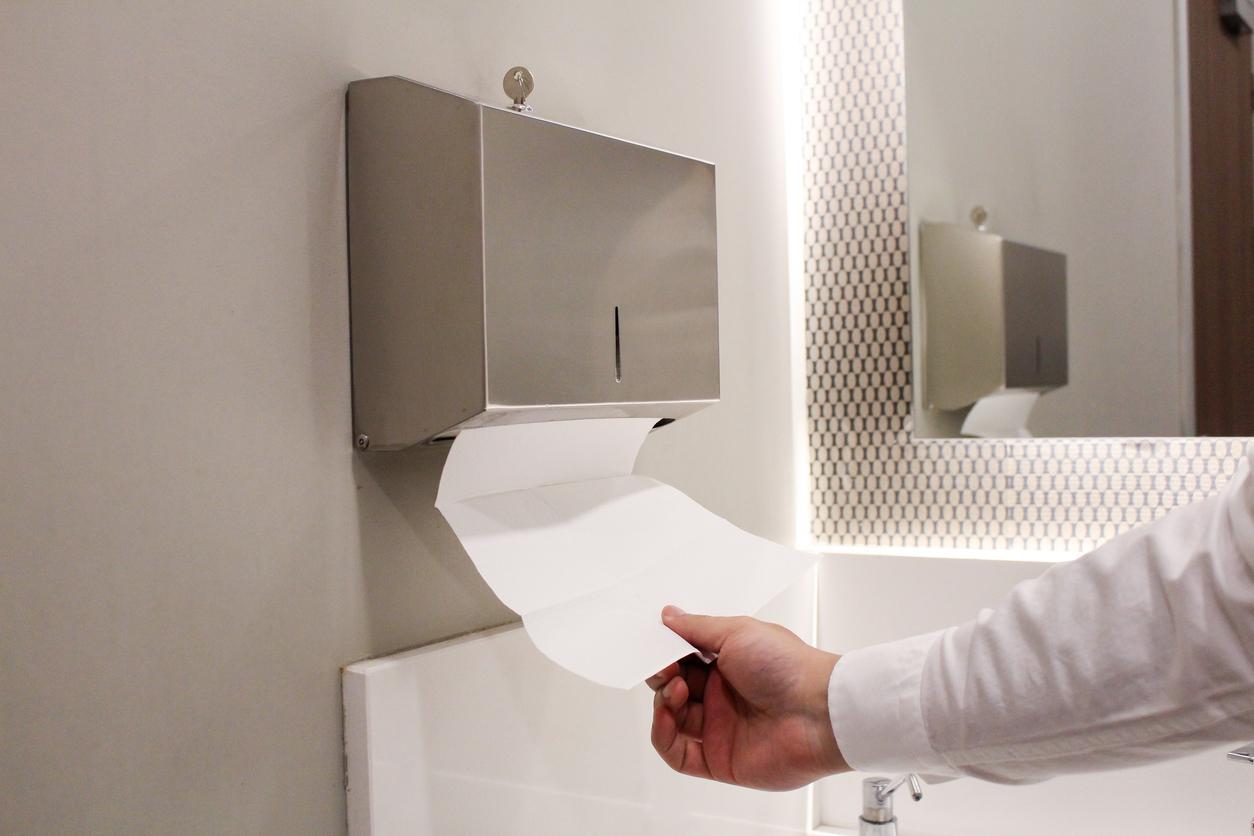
column 504, row 268
column 994, row 315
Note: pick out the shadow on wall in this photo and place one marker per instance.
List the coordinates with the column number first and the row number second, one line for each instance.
column 419, row 583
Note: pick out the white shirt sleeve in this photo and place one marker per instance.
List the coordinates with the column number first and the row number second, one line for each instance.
column 1139, row 651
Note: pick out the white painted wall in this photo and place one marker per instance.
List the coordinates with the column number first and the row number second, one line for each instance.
column 189, row 548
column 1061, row 119
column 865, row 600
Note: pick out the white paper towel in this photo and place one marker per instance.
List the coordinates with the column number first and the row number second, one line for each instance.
column 588, row 554
column 1003, row 415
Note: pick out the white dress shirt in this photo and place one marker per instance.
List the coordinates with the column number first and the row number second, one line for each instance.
column 1139, row 651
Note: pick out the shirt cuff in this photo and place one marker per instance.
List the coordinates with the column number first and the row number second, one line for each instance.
column 1241, row 508
column 875, row 701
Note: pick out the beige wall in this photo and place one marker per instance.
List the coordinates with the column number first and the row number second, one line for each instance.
column 189, row 549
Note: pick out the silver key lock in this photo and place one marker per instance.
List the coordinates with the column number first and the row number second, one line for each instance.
column 518, row 84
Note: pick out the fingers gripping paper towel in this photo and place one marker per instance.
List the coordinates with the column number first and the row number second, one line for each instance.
column 589, row 553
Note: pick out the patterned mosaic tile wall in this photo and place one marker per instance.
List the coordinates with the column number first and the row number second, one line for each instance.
column 871, row 483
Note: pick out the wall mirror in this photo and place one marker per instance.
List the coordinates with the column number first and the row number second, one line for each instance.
column 1081, row 196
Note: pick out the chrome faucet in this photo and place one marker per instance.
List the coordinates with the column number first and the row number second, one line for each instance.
column 1244, row 755
column 877, row 817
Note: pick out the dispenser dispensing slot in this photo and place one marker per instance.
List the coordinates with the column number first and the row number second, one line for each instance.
column 618, row 348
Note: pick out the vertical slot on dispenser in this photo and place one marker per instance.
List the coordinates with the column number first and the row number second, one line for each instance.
column 618, row 349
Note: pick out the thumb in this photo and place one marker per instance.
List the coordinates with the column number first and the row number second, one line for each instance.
column 706, row 632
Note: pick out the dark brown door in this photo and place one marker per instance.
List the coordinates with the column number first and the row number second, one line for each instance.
column 1222, row 128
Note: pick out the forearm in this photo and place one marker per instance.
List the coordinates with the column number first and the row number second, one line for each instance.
column 1139, row 651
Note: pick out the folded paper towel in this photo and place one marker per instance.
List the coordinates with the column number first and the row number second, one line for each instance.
column 1003, row 415
column 588, row 553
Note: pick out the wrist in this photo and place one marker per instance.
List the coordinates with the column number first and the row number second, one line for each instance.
column 831, row 759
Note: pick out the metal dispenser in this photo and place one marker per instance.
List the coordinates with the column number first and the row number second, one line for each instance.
column 994, row 315
column 504, row 268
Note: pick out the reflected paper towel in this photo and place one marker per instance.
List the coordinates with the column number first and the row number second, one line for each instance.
column 1004, row 415
column 588, row 554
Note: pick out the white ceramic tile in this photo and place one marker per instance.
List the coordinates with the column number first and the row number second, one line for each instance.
column 485, row 735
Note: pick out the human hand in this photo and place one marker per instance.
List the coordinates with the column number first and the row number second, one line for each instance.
column 757, row 716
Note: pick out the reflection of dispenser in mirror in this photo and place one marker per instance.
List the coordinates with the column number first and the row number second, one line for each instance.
column 995, row 322
column 509, row 269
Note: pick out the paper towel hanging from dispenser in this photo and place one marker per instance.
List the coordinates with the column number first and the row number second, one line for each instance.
column 995, row 323
column 508, row 269
column 548, row 295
